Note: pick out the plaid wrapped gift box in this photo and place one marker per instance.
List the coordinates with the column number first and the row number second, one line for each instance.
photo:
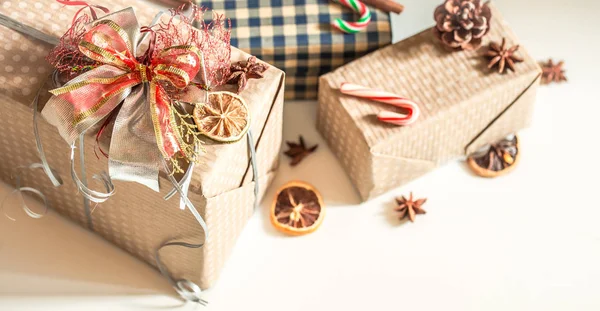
column 296, row 36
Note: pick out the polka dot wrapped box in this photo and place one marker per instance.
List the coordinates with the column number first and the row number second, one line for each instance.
column 464, row 105
column 223, row 185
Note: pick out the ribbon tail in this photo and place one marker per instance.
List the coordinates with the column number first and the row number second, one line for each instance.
column 20, row 190
column 92, row 195
column 52, row 174
column 184, row 183
column 44, row 165
column 133, row 154
column 160, row 110
column 187, row 289
column 254, row 163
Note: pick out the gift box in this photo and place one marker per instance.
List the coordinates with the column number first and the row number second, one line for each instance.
column 296, row 36
column 136, row 218
column 464, row 106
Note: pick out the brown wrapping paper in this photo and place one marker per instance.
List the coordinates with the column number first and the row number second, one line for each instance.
column 464, row 106
column 136, row 218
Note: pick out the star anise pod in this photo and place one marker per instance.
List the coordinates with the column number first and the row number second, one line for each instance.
column 552, row 72
column 241, row 71
column 502, row 56
column 409, row 207
column 299, row 151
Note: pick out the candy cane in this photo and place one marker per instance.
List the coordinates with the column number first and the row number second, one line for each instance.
column 386, row 98
column 353, row 27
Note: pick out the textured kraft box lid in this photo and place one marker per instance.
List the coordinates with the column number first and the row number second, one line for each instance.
column 464, row 106
column 136, row 218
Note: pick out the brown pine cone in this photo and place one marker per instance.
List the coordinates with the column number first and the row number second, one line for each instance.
column 461, row 24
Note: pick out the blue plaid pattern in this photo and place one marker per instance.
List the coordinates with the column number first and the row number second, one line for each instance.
column 296, row 36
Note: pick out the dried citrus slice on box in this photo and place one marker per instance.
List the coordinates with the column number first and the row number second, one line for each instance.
column 297, row 209
column 224, row 118
column 496, row 159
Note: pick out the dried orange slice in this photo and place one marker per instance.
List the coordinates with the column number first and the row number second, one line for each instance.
column 298, row 209
column 496, row 159
column 224, row 118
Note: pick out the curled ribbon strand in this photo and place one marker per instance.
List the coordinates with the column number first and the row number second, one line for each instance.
column 51, row 173
column 92, row 195
column 20, row 190
column 187, row 289
column 85, row 5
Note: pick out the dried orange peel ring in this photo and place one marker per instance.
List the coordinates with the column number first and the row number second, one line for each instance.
column 497, row 159
column 297, row 209
column 224, row 118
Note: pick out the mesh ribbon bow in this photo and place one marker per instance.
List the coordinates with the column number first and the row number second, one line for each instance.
column 145, row 125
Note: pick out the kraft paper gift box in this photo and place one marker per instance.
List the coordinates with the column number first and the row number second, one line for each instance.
column 296, row 36
column 137, row 219
column 464, row 106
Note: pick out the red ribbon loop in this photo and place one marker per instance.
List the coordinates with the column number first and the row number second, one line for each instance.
column 107, row 43
column 85, row 6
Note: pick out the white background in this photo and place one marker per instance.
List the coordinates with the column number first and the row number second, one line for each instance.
column 527, row 241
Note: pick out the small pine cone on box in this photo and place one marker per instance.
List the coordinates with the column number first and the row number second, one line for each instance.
column 461, row 24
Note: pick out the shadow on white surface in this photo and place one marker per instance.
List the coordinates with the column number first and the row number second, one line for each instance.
column 321, row 169
column 52, row 256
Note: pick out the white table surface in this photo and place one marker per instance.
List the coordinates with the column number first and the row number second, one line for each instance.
column 527, row 241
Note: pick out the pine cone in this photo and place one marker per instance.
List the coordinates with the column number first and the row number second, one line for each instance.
column 461, row 24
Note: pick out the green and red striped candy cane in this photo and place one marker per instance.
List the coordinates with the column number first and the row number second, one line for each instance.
column 360, row 24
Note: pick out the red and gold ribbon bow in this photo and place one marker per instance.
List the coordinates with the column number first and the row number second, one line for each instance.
column 98, row 92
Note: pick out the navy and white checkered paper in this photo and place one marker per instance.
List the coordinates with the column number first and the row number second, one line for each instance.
column 296, row 36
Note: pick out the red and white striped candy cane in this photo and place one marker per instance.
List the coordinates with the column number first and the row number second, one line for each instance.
column 386, row 98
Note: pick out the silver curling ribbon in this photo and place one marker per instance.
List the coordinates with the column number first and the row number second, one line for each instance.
column 187, row 289
column 53, row 176
column 28, row 30
column 20, row 190
column 253, row 162
column 92, row 195
column 184, row 183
